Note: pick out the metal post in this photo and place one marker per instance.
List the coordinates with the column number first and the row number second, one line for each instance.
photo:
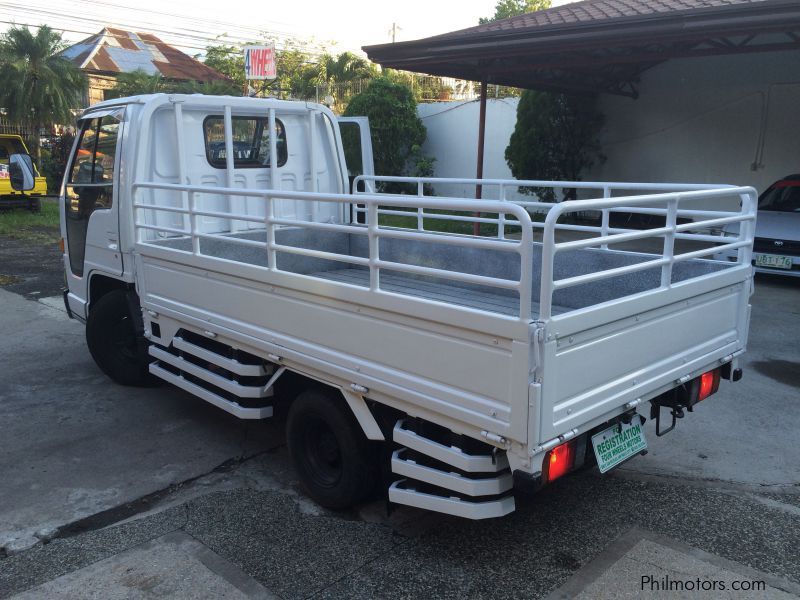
column 374, row 248
column 476, row 227
column 275, row 184
column 604, row 219
column 229, row 165
column 669, row 242
column 420, row 209
column 181, row 150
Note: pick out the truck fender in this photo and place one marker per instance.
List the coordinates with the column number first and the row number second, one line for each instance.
column 363, row 415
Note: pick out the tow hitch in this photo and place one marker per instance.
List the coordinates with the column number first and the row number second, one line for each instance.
column 685, row 396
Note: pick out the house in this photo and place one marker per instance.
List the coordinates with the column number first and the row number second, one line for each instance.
column 102, row 57
column 692, row 90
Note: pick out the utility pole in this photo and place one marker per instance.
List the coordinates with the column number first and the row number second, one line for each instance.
column 393, row 31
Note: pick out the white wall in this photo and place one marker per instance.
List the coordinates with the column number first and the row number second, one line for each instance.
column 701, row 120
column 453, row 141
column 723, row 119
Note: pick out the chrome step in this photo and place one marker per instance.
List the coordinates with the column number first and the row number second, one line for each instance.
column 229, row 385
column 229, row 364
column 209, row 396
column 453, row 456
column 403, row 492
column 453, row 471
column 490, row 486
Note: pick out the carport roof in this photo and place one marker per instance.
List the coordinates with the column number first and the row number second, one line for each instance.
column 598, row 45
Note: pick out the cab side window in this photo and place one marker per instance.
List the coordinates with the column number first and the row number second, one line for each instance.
column 90, row 183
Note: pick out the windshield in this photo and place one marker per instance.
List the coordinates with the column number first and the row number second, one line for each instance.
column 783, row 196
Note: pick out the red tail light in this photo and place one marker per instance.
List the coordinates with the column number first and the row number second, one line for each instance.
column 709, row 384
column 558, row 462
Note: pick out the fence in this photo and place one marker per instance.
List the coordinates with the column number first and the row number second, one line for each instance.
column 9, row 127
column 426, row 88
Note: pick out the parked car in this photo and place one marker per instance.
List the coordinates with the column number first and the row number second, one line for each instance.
column 776, row 248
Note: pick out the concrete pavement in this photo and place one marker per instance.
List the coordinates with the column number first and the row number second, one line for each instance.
column 74, row 444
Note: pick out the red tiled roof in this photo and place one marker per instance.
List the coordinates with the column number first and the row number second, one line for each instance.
column 113, row 51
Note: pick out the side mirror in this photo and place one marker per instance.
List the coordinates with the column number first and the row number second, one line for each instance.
column 21, row 173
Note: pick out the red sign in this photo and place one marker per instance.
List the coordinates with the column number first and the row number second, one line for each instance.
column 259, row 62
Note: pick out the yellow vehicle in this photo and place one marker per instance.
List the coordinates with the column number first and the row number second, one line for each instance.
column 13, row 144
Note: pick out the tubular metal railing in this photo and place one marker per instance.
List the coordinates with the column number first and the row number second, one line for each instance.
column 523, row 246
column 671, row 196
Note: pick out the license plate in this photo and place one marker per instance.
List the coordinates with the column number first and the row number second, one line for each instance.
column 614, row 445
column 774, row 260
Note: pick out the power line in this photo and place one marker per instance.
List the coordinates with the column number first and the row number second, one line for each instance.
column 191, row 38
column 186, row 39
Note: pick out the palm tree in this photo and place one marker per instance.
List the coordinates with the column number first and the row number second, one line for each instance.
column 343, row 75
column 37, row 86
column 347, row 67
column 134, row 83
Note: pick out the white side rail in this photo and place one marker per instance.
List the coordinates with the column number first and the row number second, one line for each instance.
column 374, row 232
column 502, row 187
column 669, row 232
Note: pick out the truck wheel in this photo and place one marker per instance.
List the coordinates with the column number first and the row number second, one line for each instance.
column 329, row 450
column 113, row 342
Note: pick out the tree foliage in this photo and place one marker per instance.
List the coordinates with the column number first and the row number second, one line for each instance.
column 397, row 131
column 37, row 86
column 511, row 8
column 139, row 82
column 228, row 60
column 555, row 138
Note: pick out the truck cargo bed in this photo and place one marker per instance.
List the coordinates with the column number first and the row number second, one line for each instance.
column 439, row 292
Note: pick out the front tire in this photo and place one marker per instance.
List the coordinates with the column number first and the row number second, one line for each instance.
column 329, row 450
column 115, row 345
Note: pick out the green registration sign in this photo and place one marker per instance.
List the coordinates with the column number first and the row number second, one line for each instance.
column 615, row 444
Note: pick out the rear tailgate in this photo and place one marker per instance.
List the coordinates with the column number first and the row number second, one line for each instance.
column 634, row 324
column 593, row 368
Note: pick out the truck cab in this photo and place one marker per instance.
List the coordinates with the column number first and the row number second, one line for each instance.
column 308, row 156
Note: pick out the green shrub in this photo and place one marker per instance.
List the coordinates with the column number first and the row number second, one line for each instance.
column 397, row 131
column 555, row 138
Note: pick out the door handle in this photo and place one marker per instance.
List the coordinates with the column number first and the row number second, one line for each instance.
column 112, row 246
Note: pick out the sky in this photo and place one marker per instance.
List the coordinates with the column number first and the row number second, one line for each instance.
column 193, row 25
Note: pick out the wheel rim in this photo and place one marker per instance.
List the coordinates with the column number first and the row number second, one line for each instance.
column 322, row 455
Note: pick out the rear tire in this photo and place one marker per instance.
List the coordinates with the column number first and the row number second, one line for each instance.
column 330, row 453
column 113, row 341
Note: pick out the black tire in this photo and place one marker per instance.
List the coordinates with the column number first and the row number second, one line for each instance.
column 35, row 205
column 113, row 341
column 330, row 452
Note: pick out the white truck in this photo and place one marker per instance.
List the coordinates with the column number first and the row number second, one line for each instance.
column 220, row 244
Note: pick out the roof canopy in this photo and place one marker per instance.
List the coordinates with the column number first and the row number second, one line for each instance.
column 598, row 46
column 113, row 51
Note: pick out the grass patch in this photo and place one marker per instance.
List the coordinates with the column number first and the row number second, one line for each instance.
column 22, row 224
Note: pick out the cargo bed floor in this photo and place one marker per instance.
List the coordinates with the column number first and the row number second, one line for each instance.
column 449, row 293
